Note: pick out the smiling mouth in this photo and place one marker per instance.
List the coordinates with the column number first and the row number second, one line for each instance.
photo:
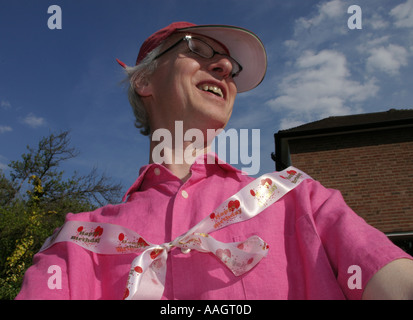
column 212, row 89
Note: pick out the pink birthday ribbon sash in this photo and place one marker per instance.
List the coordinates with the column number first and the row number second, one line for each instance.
column 148, row 270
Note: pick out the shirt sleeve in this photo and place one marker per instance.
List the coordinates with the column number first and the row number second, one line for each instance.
column 64, row 271
column 355, row 249
column 47, row 278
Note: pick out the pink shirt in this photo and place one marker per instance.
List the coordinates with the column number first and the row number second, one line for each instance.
column 314, row 238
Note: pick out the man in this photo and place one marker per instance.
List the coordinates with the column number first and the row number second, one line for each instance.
column 313, row 245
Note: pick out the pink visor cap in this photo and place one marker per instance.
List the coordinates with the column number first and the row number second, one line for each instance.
column 242, row 45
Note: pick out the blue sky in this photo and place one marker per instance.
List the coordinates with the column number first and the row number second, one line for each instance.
column 53, row 80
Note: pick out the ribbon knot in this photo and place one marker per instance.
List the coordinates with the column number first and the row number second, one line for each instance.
column 148, row 270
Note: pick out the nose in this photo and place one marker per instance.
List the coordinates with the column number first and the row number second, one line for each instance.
column 221, row 66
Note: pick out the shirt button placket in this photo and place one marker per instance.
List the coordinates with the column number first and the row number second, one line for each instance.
column 185, row 195
column 180, row 225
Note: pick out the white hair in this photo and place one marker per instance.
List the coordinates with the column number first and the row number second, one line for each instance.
column 135, row 74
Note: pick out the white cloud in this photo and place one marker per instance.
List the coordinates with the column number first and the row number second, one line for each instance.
column 329, row 70
column 325, row 24
column 327, row 10
column 388, row 59
column 5, row 104
column 403, row 14
column 287, row 123
column 33, row 121
column 332, row 9
column 4, row 129
column 371, row 42
column 376, row 22
column 321, row 86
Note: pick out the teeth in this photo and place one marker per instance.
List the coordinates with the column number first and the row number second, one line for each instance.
column 213, row 89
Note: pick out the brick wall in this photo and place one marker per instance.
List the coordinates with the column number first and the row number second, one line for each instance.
column 373, row 171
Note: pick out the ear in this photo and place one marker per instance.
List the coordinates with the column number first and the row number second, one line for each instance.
column 143, row 87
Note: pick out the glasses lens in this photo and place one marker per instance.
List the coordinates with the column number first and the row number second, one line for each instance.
column 236, row 67
column 204, row 50
column 201, row 48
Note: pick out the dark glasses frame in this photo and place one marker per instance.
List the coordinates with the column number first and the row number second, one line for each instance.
column 190, row 43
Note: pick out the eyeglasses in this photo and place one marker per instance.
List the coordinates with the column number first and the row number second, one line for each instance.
column 204, row 50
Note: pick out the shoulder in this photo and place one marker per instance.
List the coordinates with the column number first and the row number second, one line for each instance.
column 102, row 214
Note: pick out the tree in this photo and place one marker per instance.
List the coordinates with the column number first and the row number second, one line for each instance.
column 7, row 190
column 42, row 164
column 35, row 201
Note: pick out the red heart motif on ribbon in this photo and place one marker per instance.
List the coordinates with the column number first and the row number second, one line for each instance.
column 98, row 231
column 222, row 253
column 126, row 294
column 142, row 243
column 155, row 253
column 266, row 181
column 233, row 204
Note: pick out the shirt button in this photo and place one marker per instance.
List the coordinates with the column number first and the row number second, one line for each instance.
column 184, row 194
column 157, row 171
column 185, row 251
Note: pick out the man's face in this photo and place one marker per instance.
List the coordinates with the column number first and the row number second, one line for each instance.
column 180, row 88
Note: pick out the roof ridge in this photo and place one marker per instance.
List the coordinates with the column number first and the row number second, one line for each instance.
column 355, row 119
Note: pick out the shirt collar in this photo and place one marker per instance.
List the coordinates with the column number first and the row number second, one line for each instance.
column 154, row 173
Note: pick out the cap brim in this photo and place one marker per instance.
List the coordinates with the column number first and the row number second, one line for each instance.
column 244, row 46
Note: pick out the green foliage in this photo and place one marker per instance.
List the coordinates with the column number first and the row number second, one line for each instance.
column 35, row 201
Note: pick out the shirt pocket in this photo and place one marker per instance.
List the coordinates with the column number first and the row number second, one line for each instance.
column 291, row 268
column 262, row 281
